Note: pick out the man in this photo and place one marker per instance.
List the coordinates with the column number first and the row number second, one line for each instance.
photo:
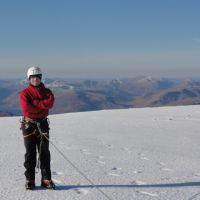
column 35, row 101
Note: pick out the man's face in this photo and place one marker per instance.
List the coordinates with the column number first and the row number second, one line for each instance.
column 35, row 80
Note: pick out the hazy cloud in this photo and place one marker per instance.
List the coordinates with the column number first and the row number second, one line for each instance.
column 106, row 64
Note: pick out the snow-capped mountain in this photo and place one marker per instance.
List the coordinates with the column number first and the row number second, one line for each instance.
column 89, row 95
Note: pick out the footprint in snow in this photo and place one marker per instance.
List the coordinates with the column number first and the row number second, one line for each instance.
column 137, row 172
column 148, row 193
column 142, row 156
column 110, row 146
column 196, row 175
column 161, row 163
column 101, row 162
column 138, row 183
column 127, row 150
column 100, row 157
column 56, row 173
column 116, row 168
column 81, row 190
column 85, row 151
column 167, row 169
column 113, row 174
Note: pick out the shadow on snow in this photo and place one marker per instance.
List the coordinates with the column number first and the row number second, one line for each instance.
column 167, row 185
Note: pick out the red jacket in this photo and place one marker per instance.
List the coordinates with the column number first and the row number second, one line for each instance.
column 36, row 101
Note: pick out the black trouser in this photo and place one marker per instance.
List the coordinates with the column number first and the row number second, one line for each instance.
column 32, row 144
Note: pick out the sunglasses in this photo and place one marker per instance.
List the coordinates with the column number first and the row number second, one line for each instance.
column 38, row 76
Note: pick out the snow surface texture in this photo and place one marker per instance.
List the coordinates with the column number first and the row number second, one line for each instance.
column 142, row 154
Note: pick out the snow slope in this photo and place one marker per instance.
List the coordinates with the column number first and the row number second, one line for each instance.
column 142, row 154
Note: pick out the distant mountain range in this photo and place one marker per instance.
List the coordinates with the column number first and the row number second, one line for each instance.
column 88, row 95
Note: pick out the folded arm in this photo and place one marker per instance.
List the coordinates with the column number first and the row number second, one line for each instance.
column 26, row 105
column 46, row 103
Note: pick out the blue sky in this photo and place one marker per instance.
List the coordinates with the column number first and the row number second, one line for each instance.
column 100, row 38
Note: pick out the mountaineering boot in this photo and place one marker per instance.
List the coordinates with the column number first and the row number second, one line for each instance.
column 49, row 184
column 30, row 184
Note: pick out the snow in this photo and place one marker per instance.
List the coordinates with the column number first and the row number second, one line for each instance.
column 143, row 154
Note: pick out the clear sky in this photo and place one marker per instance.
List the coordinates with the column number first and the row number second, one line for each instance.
column 100, row 38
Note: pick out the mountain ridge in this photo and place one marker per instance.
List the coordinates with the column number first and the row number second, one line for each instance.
column 90, row 94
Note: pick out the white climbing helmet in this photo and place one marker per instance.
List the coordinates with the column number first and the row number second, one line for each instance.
column 34, row 71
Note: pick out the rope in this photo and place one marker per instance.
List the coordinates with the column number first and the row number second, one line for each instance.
column 39, row 153
column 68, row 161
